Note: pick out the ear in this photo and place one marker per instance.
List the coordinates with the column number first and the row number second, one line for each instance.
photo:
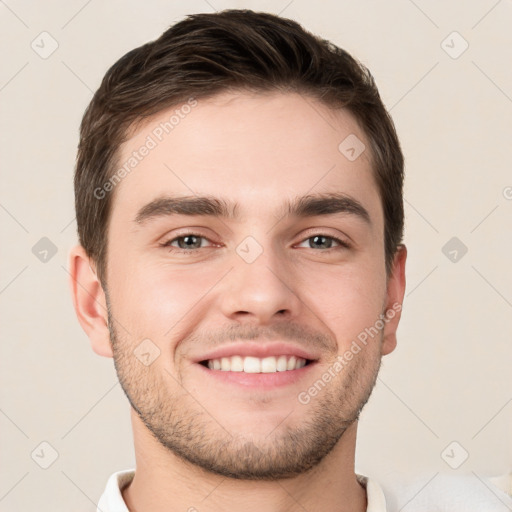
column 394, row 298
column 89, row 301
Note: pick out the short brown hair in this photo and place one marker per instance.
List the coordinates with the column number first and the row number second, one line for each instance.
column 206, row 54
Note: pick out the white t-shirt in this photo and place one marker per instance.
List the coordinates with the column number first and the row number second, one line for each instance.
column 444, row 493
column 112, row 499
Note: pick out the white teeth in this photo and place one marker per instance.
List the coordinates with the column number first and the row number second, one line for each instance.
column 252, row 365
column 282, row 364
column 256, row 365
column 269, row 365
column 237, row 364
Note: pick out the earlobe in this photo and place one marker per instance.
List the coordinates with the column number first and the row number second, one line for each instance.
column 89, row 301
column 394, row 299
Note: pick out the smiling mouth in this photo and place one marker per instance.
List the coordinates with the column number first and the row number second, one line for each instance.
column 249, row 364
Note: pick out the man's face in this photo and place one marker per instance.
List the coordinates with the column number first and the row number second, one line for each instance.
column 206, row 311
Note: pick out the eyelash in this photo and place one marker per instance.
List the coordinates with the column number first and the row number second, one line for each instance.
column 167, row 244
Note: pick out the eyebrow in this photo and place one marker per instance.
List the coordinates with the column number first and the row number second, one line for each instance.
column 305, row 206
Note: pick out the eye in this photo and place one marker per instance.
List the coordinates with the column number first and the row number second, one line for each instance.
column 324, row 242
column 191, row 242
column 185, row 243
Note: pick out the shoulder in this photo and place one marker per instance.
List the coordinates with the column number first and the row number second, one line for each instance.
column 447, row 492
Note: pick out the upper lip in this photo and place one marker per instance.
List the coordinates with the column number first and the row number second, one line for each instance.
column 257, row 349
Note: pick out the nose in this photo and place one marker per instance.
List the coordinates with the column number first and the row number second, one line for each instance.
column 260, row 290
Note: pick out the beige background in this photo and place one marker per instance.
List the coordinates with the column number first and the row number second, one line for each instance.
column 449, row 379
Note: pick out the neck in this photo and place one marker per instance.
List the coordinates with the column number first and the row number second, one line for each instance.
column 165, row 482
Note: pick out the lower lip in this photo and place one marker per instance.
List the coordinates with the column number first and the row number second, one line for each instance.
column 258, row 380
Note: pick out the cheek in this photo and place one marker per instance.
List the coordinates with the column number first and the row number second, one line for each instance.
column 347, row 300
column 155, row 299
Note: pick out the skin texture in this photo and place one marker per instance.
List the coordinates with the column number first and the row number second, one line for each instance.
column 198, row 436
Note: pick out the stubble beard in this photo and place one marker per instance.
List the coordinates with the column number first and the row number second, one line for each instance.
column 188, row 429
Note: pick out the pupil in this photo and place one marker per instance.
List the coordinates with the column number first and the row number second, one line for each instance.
column 189, row 241
column 322, row 240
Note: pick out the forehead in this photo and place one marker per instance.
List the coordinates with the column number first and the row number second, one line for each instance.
column 256, row 149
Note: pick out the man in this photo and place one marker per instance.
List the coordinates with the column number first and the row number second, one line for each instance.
column 240, row 215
